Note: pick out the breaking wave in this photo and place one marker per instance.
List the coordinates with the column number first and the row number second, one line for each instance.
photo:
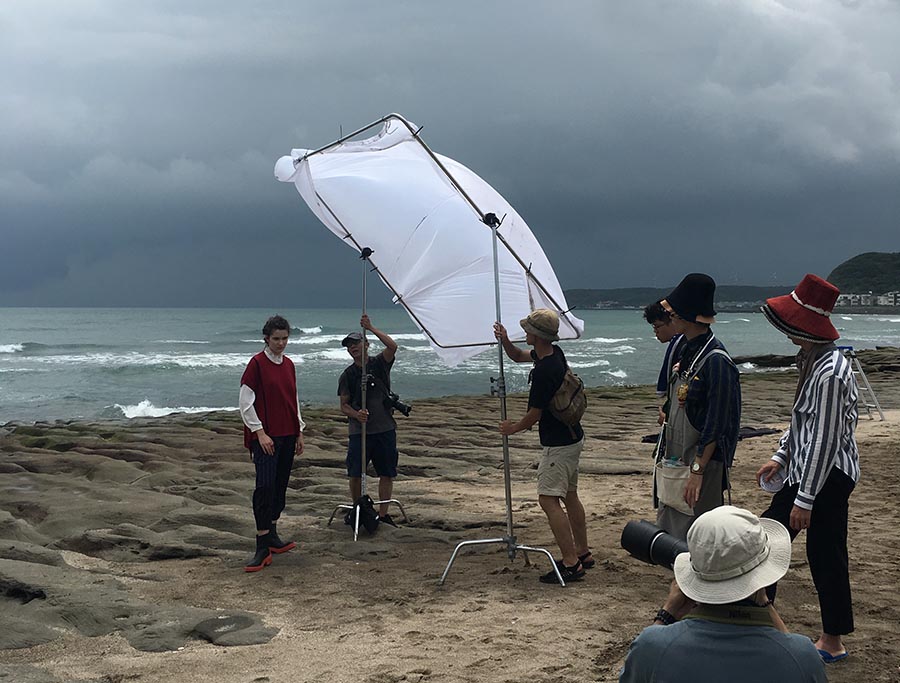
column 146, row 409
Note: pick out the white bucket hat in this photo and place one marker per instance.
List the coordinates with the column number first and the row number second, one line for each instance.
column 732, row 554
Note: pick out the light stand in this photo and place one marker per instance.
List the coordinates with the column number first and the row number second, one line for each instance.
column 493, row 223
column 364, row 385
column 512, row 546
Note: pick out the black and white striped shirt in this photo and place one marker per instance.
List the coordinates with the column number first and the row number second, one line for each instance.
column 821, row 435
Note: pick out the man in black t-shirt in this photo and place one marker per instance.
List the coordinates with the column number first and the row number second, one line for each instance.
column 381, row 429
column 558, row 469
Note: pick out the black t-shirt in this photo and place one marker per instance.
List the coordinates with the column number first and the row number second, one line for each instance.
column 546, row 378
column 380, row 417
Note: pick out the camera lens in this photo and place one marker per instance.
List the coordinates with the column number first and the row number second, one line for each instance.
column 650, row 544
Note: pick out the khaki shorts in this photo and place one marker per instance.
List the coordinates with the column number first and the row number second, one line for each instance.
column 558, row 470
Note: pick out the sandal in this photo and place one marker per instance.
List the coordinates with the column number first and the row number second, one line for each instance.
column 585, row 562
column 568, row 573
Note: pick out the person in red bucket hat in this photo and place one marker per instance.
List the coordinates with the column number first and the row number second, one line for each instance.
column 817, row 456
column 805, row 313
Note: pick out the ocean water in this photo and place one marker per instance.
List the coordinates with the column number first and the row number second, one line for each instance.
column 114, row 363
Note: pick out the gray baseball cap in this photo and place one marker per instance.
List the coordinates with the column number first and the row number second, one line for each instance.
column 352, row 339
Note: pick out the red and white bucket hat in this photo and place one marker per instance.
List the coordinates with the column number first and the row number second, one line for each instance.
column 805, row 313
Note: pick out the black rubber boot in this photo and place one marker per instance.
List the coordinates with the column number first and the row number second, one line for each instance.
column 263, row 556
column 276, row 545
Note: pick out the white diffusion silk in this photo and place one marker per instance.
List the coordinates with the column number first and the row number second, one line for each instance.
column 429, row 243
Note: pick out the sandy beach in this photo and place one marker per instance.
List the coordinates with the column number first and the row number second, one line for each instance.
column 122, row 546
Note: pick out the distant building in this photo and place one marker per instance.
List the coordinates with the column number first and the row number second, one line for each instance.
column 889, row 299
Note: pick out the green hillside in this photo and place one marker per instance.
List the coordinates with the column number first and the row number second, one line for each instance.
column 876, row 272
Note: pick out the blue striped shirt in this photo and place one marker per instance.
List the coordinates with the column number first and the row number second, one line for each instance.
column 822, row 431
column 713, row 403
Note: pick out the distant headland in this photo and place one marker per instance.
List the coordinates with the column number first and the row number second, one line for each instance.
column 869, row 283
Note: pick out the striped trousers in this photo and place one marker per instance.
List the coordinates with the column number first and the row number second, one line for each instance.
column 272, row 475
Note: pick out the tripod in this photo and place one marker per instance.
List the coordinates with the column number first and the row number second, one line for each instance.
column 510, row 541
column 356, row 506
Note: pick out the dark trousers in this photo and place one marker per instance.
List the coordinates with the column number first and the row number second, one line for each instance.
column 826, row 547
column 272, row 475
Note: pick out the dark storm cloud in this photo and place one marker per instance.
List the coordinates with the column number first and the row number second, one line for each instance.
column 755, row 139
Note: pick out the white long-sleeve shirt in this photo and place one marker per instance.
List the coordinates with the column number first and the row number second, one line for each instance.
column 247, row 398
column 822, row 431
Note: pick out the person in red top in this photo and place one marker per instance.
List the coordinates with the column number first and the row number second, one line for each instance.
column 273, row 432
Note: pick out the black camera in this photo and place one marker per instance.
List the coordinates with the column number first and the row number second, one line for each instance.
column 650, row 544
column 393, row 401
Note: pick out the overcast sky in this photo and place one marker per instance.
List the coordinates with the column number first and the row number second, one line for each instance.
column 755, row 140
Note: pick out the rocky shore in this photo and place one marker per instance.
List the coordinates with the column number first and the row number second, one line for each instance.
column 122, row 546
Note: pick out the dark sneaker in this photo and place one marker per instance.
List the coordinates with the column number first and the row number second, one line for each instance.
column 587, row 563
column 262, row 558
column 568, row 573
column 386, row 519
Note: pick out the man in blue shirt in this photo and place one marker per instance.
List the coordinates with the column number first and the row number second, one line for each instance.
column 734, row 633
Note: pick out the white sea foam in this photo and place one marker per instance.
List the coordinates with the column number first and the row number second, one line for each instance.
column 606, row 340
column 620, row 374
column 747, row 366
column 888, row 320
column 338, row 338
column 11, row 348
column 180, row 341
column 787, row 368
column 617, row 350
column 590, row 364
column 330, row 354
column 309, row 330
column 146, row 409
column 846, row 317
column 322, row 339
column 118, row 360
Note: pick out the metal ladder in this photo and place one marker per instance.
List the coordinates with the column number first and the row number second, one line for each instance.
column 866, row 389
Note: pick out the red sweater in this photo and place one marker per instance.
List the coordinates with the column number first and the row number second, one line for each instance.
column 275, row 387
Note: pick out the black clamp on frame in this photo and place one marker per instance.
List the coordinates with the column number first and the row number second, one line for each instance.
column 366, row 253
column 491, row 220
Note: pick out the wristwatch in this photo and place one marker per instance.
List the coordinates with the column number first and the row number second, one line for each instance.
column 696, row 468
